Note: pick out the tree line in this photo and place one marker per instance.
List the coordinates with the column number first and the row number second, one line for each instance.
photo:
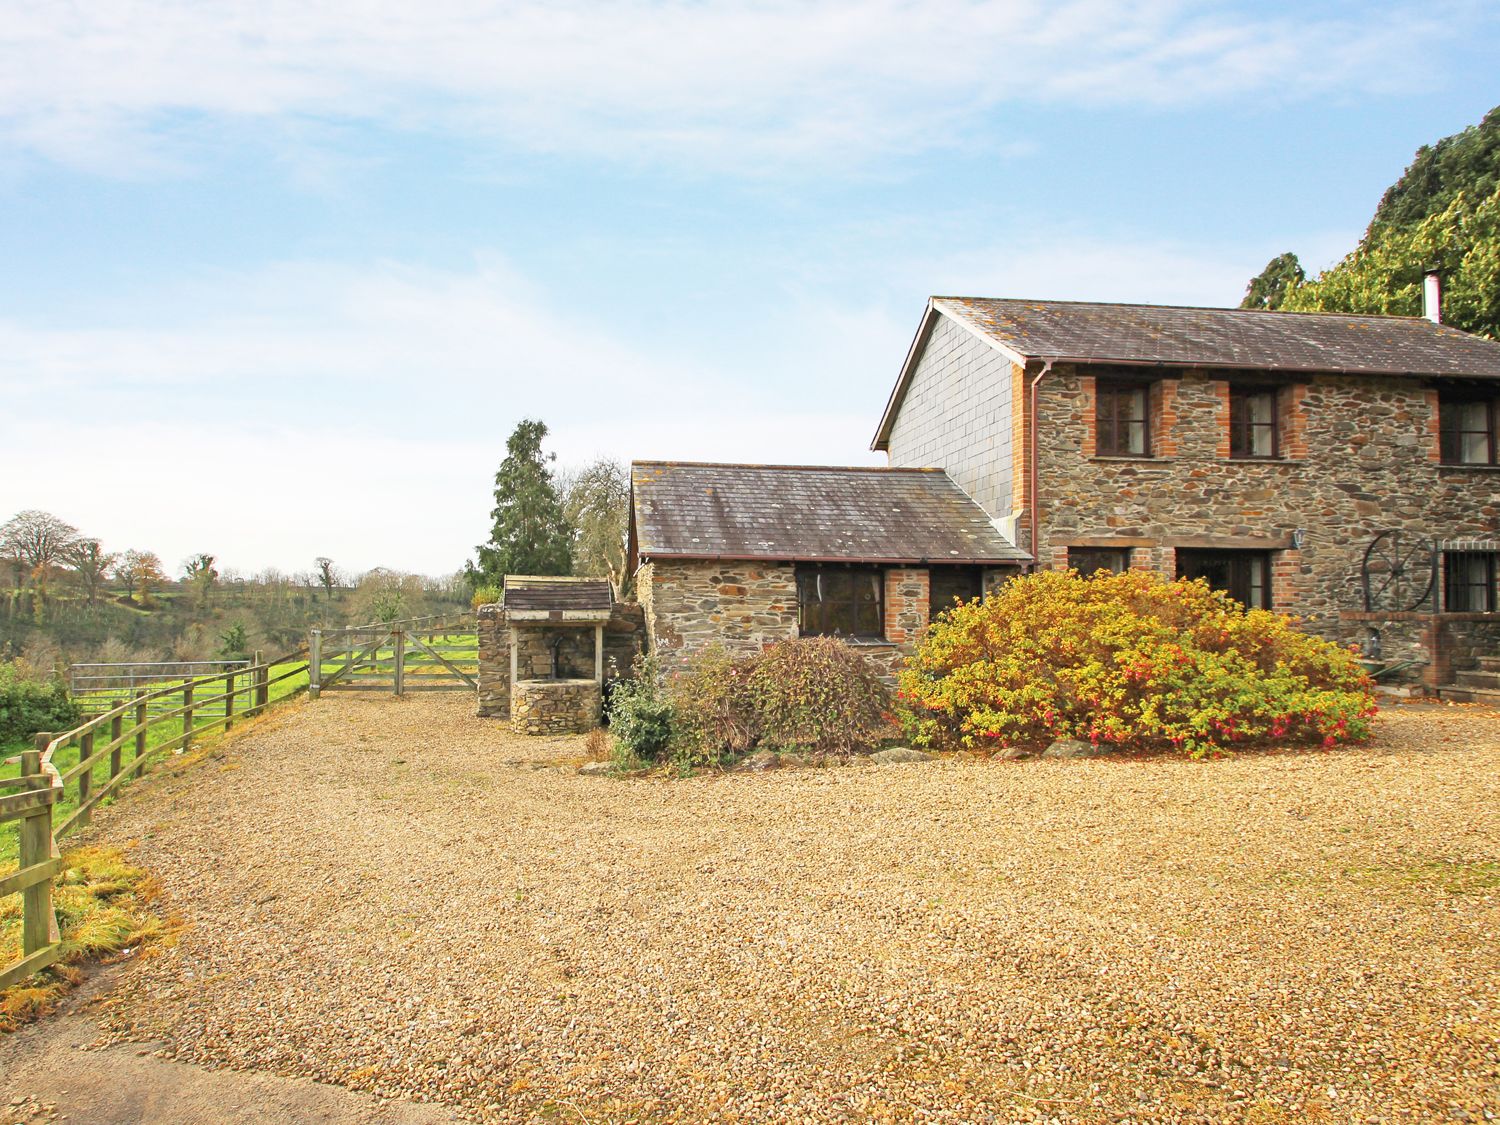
column 70, row 599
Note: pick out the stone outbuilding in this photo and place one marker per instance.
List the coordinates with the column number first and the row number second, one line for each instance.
column 743, row 556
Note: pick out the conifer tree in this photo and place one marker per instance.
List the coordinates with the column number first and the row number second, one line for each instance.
column 530, row 533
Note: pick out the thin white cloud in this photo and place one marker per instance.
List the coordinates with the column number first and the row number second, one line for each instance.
column 117, row 84
column 360, row 411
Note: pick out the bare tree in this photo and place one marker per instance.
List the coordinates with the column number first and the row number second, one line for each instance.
column 91, row 565
column 201, row 576
column 36, row 539
column 596, row 508
column 328, row 577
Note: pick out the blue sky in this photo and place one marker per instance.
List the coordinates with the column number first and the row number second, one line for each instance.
column 336, row 250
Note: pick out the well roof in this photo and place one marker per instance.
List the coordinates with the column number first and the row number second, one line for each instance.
column 811, row 513
column 530, row 592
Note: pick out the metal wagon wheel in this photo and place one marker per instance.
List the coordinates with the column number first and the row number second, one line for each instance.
column 1399, row 571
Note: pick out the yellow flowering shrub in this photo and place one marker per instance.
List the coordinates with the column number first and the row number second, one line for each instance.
column 1132, row 662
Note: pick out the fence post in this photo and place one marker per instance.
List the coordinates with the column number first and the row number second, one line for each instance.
column 400, row 677
column 314, row 663
column 86, row 777
column 36, row 847
column 116, row 731
column 140, row 721
column 229, row 701
column 187, row 716
column 262, row 684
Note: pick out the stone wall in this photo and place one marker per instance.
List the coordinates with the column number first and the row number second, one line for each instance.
column 690, row 605
column 624, row 637
column 554, row 706
column 746, row 607
column 1360, row 456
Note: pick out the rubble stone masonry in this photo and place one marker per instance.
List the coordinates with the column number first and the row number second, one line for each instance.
column 1359, row 456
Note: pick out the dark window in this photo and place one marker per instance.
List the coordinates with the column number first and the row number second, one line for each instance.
column 1252, row 423
column 1087, row 560
column 1469, row 581
column 1244, row 575
column 1468, row 430
column 949, row 584
column 1121, row 414
column 841, row 601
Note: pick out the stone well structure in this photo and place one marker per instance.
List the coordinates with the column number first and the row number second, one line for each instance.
column 547, row 648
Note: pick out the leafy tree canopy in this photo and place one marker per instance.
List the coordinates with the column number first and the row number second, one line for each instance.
column 530, row 533
column 1384, row 273
column 1467, row 162
column 1268, row 289
column 1444, row 214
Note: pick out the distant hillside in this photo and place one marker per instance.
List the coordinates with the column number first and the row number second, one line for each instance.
column 1443, row 213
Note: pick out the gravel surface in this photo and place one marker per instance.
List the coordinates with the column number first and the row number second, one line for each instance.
column 395, row 896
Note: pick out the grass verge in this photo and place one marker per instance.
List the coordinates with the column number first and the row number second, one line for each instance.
column 105, row 911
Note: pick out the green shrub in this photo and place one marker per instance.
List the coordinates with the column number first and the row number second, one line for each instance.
column 818, row 694
column 640, row 712
column 1132, row 662
column 487, row 595
column 31, row 702
column 714, row 711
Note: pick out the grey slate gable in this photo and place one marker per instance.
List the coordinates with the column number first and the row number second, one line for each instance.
column 809, row 513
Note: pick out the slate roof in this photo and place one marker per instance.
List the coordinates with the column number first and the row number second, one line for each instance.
column 1238, row 339
column 544, row 592
column 808, row 513
column 1241, row 338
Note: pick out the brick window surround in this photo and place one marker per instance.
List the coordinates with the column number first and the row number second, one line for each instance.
column 1160, row 416
column 1290, row 421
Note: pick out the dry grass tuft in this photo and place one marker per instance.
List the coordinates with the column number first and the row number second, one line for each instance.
column 104, row 908
column 597, row 744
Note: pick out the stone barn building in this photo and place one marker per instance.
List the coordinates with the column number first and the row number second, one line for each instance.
column 747, row 555
column 1345, row 469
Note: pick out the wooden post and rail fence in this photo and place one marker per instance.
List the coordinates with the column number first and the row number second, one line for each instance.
column 420, row 654
column 44, row 787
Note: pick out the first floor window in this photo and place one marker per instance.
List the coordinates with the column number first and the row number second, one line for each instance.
column 949, row 585
column 1469, row 581
column 1244, row 575
column 1252, row 423
column 1121, row 421
column 841, row 601
column 1087, row 560
column 1467, row 430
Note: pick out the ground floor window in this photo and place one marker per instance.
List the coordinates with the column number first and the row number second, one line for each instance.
column 1244, row 575
column 1087, row 560
column 948, row 585
column 1469, row 581
column 841, row 601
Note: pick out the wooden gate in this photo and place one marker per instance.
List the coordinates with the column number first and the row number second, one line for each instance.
column 439, row 653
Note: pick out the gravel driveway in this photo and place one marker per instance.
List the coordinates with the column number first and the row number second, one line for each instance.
column 395, row 896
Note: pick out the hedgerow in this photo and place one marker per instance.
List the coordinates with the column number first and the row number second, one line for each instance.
column 1129, row 662
column 31, row 701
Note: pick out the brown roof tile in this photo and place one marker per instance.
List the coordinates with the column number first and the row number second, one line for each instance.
column 810, row 513
column 1248, row 338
